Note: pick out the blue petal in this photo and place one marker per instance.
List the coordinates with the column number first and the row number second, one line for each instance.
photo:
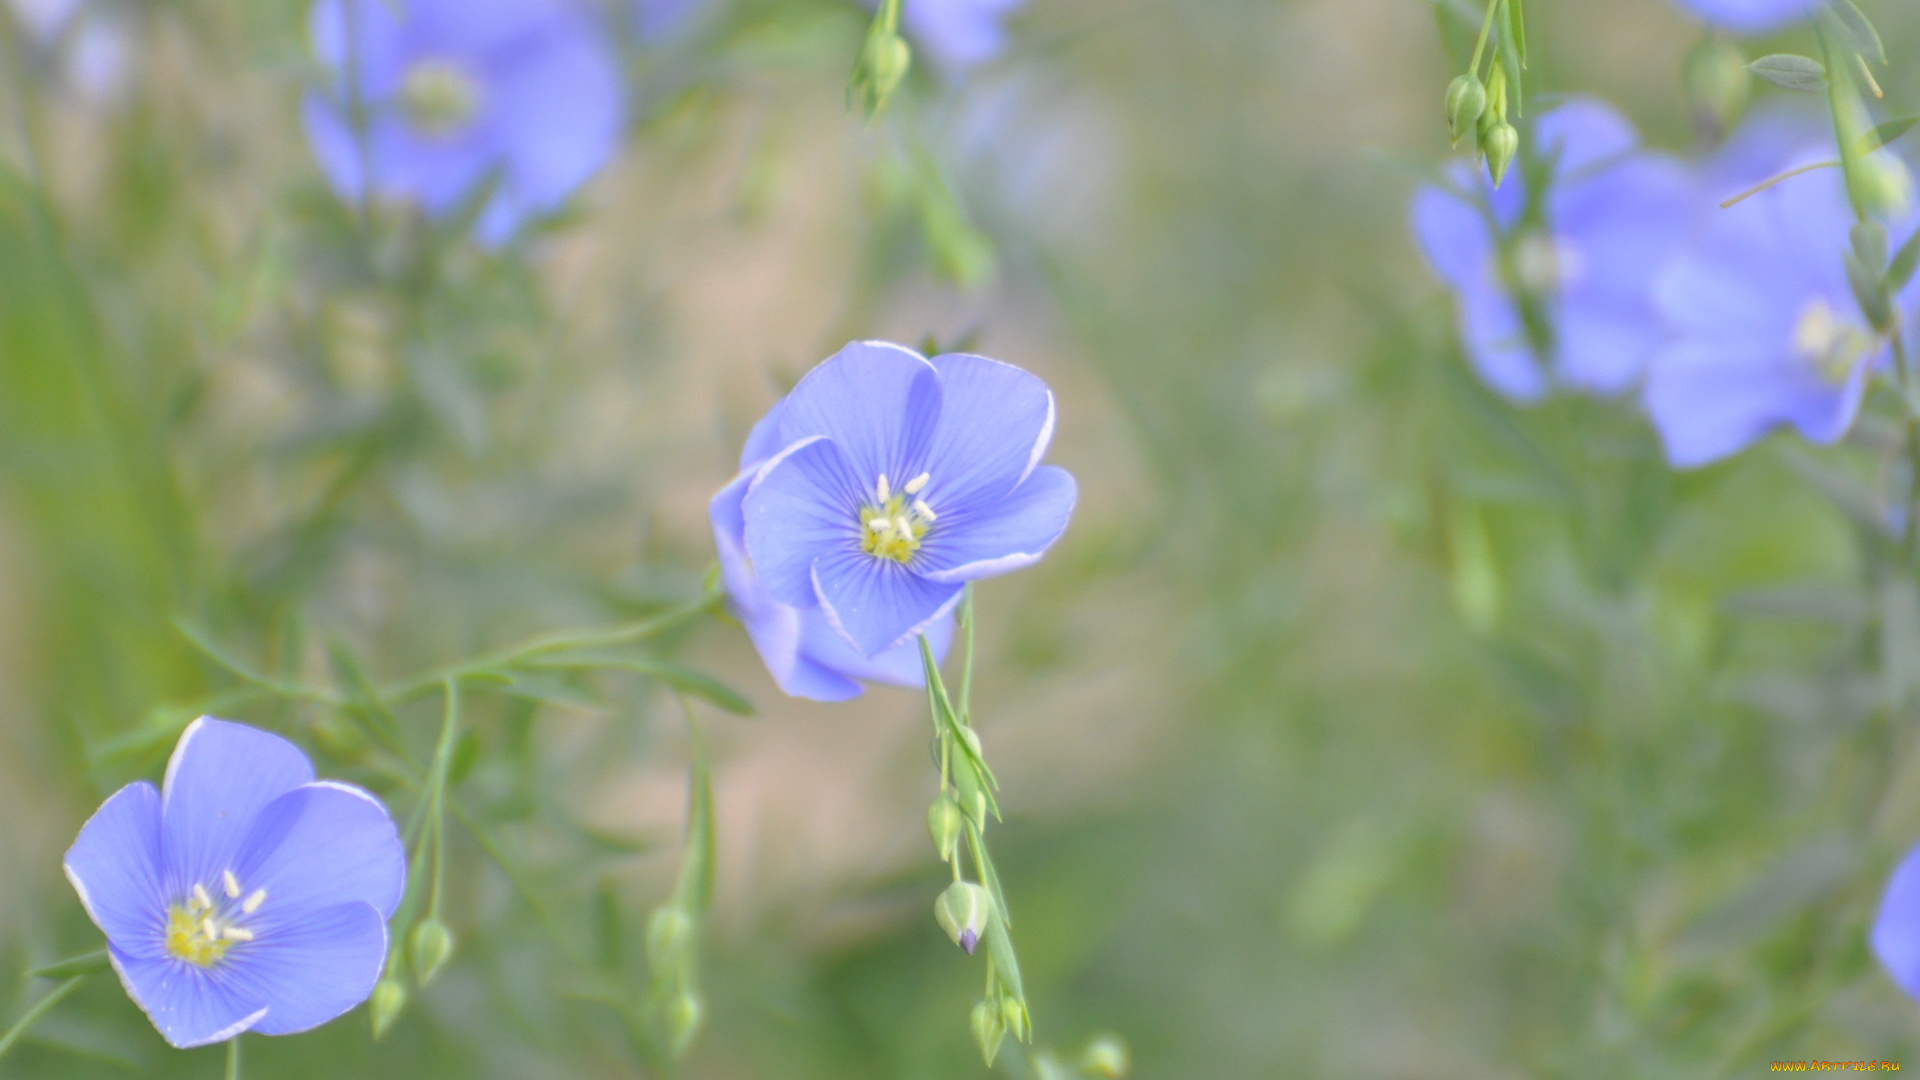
column 1454, row 234
column 995, row 423
column 1582, row 133
column 560, row 110
column 983, row 541
column 310, row 969
column 878, row 402
column 877, row 604
column 1496, row 343
column 115, row 867
column 802, row 505
column 1604, row 344
column 958, row 33
column 1711, row 400
column 1750, row 16
column 1896, row 930
column 821, row 644
column 221, row 775
column 323, row 844
column 190, row 1006
column 377, row 51
column 764, row 440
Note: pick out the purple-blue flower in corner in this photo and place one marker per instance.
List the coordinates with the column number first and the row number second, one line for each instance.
column 1895, row 936
column 1750, row 16
column 244, row 895
column 1765, row 328
column 1576, row 257
column 893, row 481
column 805, row 655
column 522, row 94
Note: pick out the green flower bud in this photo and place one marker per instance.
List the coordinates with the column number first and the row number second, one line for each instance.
column 1466, row 100
column 389, row 997
column 1718, row 84
column 1106, row 1057
column 671, row 937
column 1500, row 146
column 1882, row 186
column 680, row 1022
column 988, row 1030
column 1013, row 1015
column 430, row 946
column 962, row 911
column 944, row 822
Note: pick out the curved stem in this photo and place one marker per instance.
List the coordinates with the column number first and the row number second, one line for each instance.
column 40, row 1008
column 233, row 1058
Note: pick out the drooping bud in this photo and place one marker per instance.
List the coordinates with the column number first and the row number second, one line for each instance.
column 430, row 946
column 671, row 937
column 944, row 822
column 680, row 1022
column 1106, row 1057
column 962, row 911
column 988, row 1030
column 1013, row 1016
column 1718, row 85
column 1500, row 146
column 389, row 998
column 1466, row 100
column 1882, row 186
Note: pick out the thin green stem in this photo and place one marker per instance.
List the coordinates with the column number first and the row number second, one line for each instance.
column 966, row 658
column 233, row 1058
column 1772, row 180
column 437, row 789
column 1486, row 28
column 40, row 1008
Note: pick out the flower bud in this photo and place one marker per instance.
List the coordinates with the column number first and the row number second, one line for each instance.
column 1466, row 100
column 671, row 936
column 389, row 997
column 1501, row 144
column 988, row 1030
column 944, row 822
column 430, row 946
column 1013, row 1015
column 962, row 912
column 1106, row 1057
column 680, row 1022
column 1882, row 186
column 1718, row 84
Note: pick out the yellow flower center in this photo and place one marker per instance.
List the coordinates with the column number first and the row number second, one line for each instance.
column 894, row 523
column 439, row 98
column 201, row 930
column 1833, row 347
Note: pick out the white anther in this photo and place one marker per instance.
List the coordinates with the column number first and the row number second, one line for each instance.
column 920, row 507
column 906, row 530
column 234, row 933
column 878, row 524
column 200, row 897
column 915, row 485
column 207, row 929
column 231, row 884
column 882, row 490
column 253, row 902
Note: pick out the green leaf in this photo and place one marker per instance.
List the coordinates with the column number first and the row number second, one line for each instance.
column 84, row 964
column 1790, row 71
column 1859, row 33
column 364, row 703
column 1885, row 133
column 1517, row 26
column 1900, row 271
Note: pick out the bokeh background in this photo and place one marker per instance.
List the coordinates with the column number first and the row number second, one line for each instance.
column 1363, row 725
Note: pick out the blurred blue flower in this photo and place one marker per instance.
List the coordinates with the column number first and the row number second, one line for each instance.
column 1895, row 936
column 244, row 895
column 1765, row 329
column 957, row 34
column 1576, row 258
column 894, row 480
column 802, row 651
column 90, row 41
column 658, row 19
column 1750, row 16
column 523, row 94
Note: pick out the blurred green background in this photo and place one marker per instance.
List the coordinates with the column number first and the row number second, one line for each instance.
column 1363, row 725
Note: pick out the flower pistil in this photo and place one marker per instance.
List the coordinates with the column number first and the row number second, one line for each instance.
column 200, row 929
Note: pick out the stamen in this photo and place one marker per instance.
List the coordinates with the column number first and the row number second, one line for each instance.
column 905, row 530
column 253, row 902
column 200, row 897
column 882, row 490
column 234, row 933
column 207, row 928
column 920, row 507
column 231, row 884
column 915, row 485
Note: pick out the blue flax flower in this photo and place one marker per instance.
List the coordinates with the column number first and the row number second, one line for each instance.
column 244, row 895
column 1765, row 329
column 1576, row 258
column 1750, row 16
column 803, row 652
column 522, row 94
column 957, row 34
column 1895, row 936
column 892, row 481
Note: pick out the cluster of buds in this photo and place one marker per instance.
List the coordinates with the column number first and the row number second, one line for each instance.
column 674, row 1006
column 1481, row 108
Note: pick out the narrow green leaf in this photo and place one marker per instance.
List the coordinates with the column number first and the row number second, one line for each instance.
column 1885, row 133
column 683, row 679
column 1853, row 25
column 1517, row 25
column 1791, row 71
column 84, row 964
column 364, row 703
column 1900, row 271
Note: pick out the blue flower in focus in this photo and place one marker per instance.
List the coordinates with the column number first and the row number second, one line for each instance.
column 244, row 895
column 1750, row 16
column 807, row 657
column 1895, row 936
column 1553, row 288
column 523, row 94
column 1765, row 327
column 958, row 34
column 892, row 481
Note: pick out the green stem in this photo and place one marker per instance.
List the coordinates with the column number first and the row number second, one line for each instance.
column 966, row 659
column 1486, row 28
column 233, row 1058
column 437, row 788
column 40, row 1008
